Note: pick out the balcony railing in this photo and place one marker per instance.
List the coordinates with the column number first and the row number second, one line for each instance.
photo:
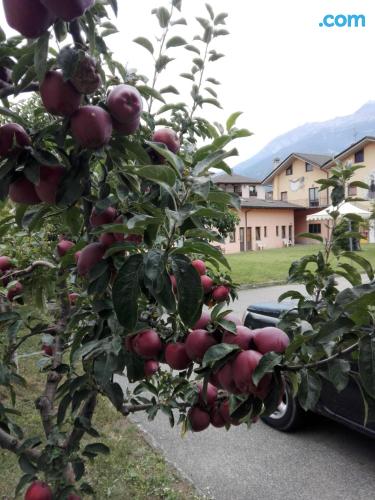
column 321, row 202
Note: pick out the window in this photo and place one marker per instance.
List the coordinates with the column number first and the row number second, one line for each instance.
column 314, row 197
column 359, row 156
column 238, row 189
column 232, row 237
column 284, row 196
column 290, row 233
column 283, row 232
column 269, row 195
column 352, row 190
column 265, row 231
column 315, row 228
column 257, row 233
column 253, row 191
column 289, row 170
column 277, row 230
column 308, row 167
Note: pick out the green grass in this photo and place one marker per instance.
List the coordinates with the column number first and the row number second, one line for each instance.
column 272, row 265
column 132, row 471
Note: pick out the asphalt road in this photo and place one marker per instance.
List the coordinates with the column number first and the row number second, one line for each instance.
column 324, row 461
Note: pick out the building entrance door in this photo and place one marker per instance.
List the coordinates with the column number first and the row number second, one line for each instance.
column 248, row 239
column 242, row 239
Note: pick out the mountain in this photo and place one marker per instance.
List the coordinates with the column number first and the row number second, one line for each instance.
column 329, row 137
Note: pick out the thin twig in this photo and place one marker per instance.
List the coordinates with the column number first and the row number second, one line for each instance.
column 31, row 268
column 13, row 444
column 12, row 89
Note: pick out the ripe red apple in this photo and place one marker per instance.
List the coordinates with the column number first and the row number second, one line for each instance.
column 129, row 344
column 91, row 255
column 91, row 127
column 209, row 399
column 151, row 367
column 220, row 293
column 134, row 238
column 225, row 378
column 13, row 137
column 173, row 282
column 38, row 491
column 48, row 184
column 243, row 337
column 107, row 239
column 199, row 419
column 215, row 417
column 168, row 137
column 5, row 263
column 207, row 283
column 233, row 318
column 128, row 128
column 64, row 246
column 15, row 291
column 225, row 413
column 269, row 339
column 23, row 191
column 59, row 97
column 86, row 78
column 73, row 297
column 244, row 366
column 99, row 218
column 214, row 380
column 73, row 496
column 197, row 343
column 200, row 266
column 176, row 356
column 28, row 17
column 47, row 350
column 76, row 256
column 147, row 344
column 203, row 321
column 124, row 102
column 67, row 10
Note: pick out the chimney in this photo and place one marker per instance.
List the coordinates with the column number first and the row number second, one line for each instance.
column 276, row 162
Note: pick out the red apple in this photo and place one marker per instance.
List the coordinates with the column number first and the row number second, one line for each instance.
column 67, row 10
column 48, row 184
column 168, row 137
column 225, row 378
column 73, row 297
column 200, row 266
column 269, row 339
column 199, row 419
column 225, row 413
column 5, row 263
column 203, row 321
column 59, row 97
column 215, row 417
column 15, row 291
column 147, row 344
column 136, row 239
column 73, row 496
column 47, row 349
column 106, row 216
column 151, row 367
column 214, row 380
column 64, row 246
column 244, row 366
column 207, row 283
column 86, row 78
column 197, row 343
column 76, row 256
column 23, row 191
column 90, row 256
column 176, row 356
column 124, row 102
column 243, row 337
column 128, row 128
column 220, row 293
column 13, row 137
column 28, row 17
column 38, row 491
column 173, row 282
column 233, row 318
column 91, row 127
column 208, row 399
column 107, row 239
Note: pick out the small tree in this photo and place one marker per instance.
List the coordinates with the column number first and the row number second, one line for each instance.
column 129, row 209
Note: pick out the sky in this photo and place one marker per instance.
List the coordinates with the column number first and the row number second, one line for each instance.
column 282, row 69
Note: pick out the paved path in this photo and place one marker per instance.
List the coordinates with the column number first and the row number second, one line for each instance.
column 325, row 461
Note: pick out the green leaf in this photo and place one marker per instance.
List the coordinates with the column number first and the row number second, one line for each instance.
column 189, row 289
column 163, row 16
column 96, row 448
column 309, row 390
column 361, row 261
column 266, row 365
column 217, row 353
column 15, row 116
column 113, row 4
column 175, row 41
column 213, row 81
column 126, row 291
column 232, row 120
column 201, row 247
column 147, row 91
column 169, row 90
column 291, row 294
column 157, row 279
column 144, row 42
column 210, row 11
column 41, row 55
column 311, row 236
column 214, row 160
column 26, row 465
column 367, row 364
column 337, row 372
column 192, row 48
column 188, row 76
column 179, row 21
column 161, row 174
column 172, row 158
column 220, row 18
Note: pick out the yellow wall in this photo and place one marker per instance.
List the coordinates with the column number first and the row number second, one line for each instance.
column 281, row 183
column 363, row 174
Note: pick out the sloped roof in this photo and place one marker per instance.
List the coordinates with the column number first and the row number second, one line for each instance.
column 314, row 159
column 233, row 179
column 260, row 203
column 352, row 149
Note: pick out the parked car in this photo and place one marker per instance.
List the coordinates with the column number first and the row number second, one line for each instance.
column 346, row 407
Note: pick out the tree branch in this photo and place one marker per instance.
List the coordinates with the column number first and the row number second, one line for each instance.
column 13, row 444
column 12, row 89
column 86, row 412
column 75, row 31
column 31, row 268
column 322, row 362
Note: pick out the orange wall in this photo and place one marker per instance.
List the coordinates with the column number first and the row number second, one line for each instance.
column 302, row 226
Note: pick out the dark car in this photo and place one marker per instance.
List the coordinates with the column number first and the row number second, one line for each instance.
column 346, row 407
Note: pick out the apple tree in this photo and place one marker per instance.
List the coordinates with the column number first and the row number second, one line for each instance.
column 110, row 184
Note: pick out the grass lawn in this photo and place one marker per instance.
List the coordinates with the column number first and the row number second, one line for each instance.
column 132, row 471
column 272, row 265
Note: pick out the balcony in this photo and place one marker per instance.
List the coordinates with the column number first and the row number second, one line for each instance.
column 321, row 202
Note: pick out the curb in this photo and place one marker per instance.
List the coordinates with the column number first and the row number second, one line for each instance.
column 250, row 286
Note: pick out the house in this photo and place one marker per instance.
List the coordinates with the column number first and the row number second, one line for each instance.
column 243, row 186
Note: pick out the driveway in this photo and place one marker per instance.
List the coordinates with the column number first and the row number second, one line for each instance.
column 324, row 461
